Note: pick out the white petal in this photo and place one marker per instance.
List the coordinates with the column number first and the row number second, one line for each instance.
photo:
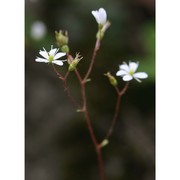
column 59, row 55
column 121, row 73
column 96, row 15
column 127, row 77
column 124, row 67
column 58, row 62
column 41, row 60
column 102, row 16
column 44, row 54
column 133, row 66
column 53, row 51
column 140, row 75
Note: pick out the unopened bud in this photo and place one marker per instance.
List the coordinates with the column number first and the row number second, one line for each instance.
column 105, row 142
column 61, row 38
column 111, row 78
column 74, row 63
column 65, row 48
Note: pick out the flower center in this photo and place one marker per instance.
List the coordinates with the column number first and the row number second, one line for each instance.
column 51, row 58
column 131, row 72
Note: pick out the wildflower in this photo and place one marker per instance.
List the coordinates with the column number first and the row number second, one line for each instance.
column 51, row 57
column 100, row 16
column 128, row 72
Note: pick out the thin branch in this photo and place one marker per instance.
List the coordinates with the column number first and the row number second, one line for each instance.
column 114, row 118
column 96, row 48
column 66, row 89
column 57, row 72
column 119, row 95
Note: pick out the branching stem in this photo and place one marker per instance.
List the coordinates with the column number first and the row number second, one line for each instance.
column 82, row 82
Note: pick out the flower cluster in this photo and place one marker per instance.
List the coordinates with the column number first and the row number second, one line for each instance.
column 127, row 72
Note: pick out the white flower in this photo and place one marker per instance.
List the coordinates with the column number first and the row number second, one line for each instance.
column 100, row 16
column 128, row 72
column 51, row 57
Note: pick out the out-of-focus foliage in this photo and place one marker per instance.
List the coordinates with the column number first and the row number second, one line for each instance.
column 58, row 146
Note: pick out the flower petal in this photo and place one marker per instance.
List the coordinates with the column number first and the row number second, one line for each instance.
column 58, row 62
column 127, row 77
column 121, row 73
column 133, row 66
column 53, row 51
column 59, row 55
column 96, row 15
column 102, row 16
column 140, row 75
column 124, row 67
column 44, row 54
column 41, row 60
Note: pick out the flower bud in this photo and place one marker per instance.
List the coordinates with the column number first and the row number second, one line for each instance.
column 111, row 78
column 61, row 38
column 74, row 63
column 105, row 142
column 65, row 48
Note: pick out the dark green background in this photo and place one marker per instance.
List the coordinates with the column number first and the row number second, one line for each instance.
column 58, row 146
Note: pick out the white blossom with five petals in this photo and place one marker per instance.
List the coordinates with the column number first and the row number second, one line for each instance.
column 100, row 16
column 51, row 57
column 128, row 72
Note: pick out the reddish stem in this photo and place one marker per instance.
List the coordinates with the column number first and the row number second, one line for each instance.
column 91, row 132
column 114, row 118
column 86, row 115
column 57, row 72
column 96, row 48
column 66, row 89
column 119, row 94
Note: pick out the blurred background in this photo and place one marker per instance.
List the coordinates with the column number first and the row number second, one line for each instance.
column 58, row 146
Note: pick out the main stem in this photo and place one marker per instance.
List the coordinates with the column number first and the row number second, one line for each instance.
column 91, row 132
column 87, row 118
